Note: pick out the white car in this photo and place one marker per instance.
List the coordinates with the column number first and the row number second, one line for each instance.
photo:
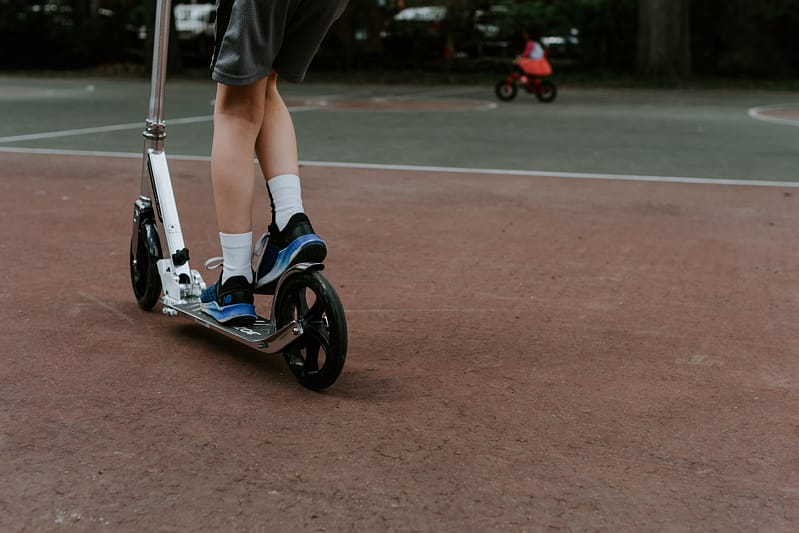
column 195, row 20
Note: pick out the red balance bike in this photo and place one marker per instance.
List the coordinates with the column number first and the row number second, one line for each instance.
column 542, row 88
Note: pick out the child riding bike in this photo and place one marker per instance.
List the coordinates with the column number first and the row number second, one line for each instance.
column 529, row 70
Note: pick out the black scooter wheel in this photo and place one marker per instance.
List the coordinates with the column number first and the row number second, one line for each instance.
column 143, row 269
column 317, row 357
column 546, row 92
column 505, row 91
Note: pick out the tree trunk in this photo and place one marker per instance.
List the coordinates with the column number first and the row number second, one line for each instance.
column 664, row 39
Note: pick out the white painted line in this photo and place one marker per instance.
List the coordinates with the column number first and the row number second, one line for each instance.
column 553, row 174
column 116, row 127
column 449, row 170
column 98, row 129
column 757, row 113
column 83, row 153
column 67, row 133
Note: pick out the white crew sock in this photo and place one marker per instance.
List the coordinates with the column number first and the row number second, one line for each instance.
column 237, row 255
column 286, row 198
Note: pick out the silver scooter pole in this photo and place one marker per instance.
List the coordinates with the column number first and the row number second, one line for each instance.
column 178, row 280
column 154, row 132
column 160, row 47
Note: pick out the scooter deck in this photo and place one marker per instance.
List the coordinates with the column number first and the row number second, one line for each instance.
column 261, row 335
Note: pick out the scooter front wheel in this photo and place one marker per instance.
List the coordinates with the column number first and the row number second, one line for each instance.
column 505, row 90
column 317, row 357
column 144, row 254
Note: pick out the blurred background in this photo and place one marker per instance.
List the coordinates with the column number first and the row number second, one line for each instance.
column 663, row 40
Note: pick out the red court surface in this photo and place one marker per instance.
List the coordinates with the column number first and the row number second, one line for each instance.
column 526, row 354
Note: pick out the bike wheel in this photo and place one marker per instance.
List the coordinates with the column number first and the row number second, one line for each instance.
column 143, row 269
column 506, row 91
column 546, row 91
column 317, row 357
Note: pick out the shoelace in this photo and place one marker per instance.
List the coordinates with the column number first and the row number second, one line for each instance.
column 260, row 246
column 209, row 293
column 214, row 263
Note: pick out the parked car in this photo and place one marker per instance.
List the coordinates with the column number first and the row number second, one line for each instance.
column 500, row 36
column 563, row 46
column 438, row 30
column 416, row 31
column 195, row 20
column 496, row 38
column 195, row 26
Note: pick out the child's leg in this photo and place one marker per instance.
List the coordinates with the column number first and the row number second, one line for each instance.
column 276, row 148
column 237, row 118
column 291, row 237
column 238, row 114
column 276, row 145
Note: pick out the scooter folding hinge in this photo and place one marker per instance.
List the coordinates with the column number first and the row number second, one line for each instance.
column 181, row 257
column 154, row 130
column 170, row 282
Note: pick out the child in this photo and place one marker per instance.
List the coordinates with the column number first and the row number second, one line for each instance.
column 256, row 41
column 533, row 61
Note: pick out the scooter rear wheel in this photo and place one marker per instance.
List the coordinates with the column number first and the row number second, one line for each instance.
column 506, row 91
column 317, row 357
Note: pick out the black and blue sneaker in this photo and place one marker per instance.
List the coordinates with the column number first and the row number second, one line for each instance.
column 230, row 303
column 278, row 250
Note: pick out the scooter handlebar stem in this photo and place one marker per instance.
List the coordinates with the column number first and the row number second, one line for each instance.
column 160, row 47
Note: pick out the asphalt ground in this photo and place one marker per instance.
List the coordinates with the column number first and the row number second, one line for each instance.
column 693, row 134
column 578, row 316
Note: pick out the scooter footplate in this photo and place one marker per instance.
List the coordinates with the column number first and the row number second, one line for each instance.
column 261, row 335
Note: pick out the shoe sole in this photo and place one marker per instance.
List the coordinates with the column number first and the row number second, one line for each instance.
column 312, row 251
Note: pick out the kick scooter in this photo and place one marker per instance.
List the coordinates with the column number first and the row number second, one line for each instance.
column 306, row 322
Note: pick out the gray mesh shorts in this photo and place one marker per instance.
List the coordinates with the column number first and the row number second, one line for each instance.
column 254, row 37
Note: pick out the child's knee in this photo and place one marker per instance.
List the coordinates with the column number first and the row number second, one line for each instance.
column 245, row 102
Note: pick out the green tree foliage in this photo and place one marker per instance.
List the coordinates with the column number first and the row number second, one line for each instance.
column 55, row 34
column 605, row 28
column 727, row 37
column 745, row 38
